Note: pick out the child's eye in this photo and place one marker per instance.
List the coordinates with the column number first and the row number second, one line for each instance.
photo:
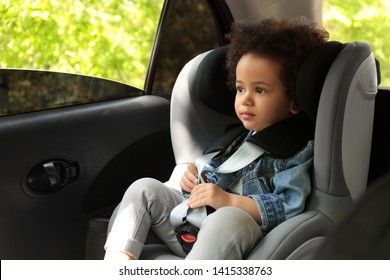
column 240, row 89
column 261, row 91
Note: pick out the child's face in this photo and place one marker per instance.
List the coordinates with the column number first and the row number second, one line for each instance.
column 261, row 98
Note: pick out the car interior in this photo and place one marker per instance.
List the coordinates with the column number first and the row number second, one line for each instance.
column 64, row 170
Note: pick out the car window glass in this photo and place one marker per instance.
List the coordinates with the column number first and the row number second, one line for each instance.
column 190, row 30
column 30, row 90
column 104, row 38
column 363, row 20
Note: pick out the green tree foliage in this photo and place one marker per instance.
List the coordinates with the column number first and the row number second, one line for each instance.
column 113, row 38
column 362, row 20
column 107, row 38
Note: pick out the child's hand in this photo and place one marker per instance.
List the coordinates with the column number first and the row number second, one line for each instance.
column 189, row 179
column 211, row 195
column 208, row 195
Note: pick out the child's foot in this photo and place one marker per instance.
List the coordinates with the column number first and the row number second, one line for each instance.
column 117, row 255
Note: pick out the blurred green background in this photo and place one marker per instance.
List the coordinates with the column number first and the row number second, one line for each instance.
column 105, row 38
column 362, row 20
column 113, row 38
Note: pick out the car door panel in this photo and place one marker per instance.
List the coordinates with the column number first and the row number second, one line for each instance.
column 111, row 144
column 102, row 146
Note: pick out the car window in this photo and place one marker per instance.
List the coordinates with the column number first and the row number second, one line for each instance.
column 24, row 91
column 189, row 30
column 104, row 38
column 363, row 20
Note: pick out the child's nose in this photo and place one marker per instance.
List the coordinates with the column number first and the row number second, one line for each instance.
column 247, row 99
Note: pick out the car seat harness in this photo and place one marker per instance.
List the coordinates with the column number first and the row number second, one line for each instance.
column 271, row 141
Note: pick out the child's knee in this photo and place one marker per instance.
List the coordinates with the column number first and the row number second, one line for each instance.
column 229, row 219
column 142, row 187
column 228, row 233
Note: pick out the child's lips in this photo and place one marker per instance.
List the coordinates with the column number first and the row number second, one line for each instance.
column 247, row 115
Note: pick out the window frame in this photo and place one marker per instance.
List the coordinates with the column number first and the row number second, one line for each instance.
column 223, row 20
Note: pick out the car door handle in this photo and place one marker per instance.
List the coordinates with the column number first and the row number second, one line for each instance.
column 53, row 175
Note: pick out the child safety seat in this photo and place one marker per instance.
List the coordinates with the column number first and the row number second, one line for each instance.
column 336, row 88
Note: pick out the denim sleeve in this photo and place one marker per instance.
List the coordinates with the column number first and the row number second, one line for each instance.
column 292, row 186
column 212, row 177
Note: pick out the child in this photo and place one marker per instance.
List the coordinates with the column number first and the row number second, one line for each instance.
column 263, row 62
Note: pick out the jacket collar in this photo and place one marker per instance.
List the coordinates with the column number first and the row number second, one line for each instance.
column 281, row 140
column 284, row 139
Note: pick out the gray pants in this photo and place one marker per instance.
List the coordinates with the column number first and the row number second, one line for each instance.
column 228, row 233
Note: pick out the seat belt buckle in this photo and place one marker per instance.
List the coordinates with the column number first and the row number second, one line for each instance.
column 188, row 238
column 186, row 235
column 187, row 242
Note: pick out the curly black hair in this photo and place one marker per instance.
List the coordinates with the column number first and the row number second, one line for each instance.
column 287, row 42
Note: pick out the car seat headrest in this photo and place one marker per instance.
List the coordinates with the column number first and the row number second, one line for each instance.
column 212, row 89
column 211, row 82
column 312, row 75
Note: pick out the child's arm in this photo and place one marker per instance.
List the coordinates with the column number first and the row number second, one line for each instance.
column 211, row 195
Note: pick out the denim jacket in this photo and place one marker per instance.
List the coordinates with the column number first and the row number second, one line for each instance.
column 279, row 185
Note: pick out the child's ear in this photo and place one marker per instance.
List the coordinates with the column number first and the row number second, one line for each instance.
column 295, row 109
